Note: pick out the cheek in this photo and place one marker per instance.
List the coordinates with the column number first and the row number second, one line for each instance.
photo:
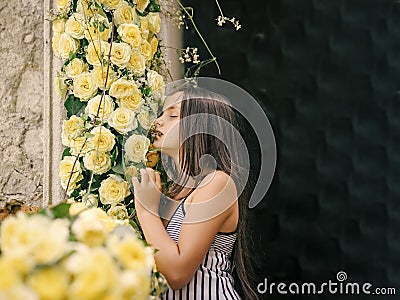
column 173, row 134
column 170, row 139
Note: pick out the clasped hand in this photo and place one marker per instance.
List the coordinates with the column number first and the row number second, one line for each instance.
column 147, row 191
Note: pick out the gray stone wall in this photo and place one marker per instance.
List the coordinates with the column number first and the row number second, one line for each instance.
column 21, row 101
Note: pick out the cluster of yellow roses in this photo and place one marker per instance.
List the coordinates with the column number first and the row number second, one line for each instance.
column 104, row 260
column 113, row 97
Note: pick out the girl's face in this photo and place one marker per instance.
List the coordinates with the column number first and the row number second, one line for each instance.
column 167, row 125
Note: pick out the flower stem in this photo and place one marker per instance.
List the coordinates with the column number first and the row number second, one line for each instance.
column 190, row 16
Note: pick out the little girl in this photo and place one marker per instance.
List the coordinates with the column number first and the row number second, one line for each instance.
column 202, row 235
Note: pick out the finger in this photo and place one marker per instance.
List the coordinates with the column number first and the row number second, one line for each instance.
column 158, row 180
column 145, row 176
column 151, row 173
column 135, row 182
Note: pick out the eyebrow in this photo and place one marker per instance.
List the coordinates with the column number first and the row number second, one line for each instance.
column 170, row 108
column 167, row 109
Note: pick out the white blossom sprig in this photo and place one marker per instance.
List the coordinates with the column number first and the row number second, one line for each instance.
column 222, row 19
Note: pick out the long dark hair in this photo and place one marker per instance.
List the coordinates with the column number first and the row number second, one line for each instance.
column 196, row 101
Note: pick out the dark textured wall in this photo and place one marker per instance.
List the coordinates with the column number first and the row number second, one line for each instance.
column 327, row 73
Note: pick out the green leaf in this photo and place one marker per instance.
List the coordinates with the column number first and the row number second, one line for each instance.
column 61, row 210
column 75, row 193
column 66, row 152
column 73, row 105
column 137, row 229
column 71, row 56
column 119, row 169
column 154, row 7
column 120, row 139
column 89, row 135
column 114, row 155
column 95, row 184
column 146, row 91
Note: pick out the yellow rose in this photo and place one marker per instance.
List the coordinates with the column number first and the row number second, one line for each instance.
column 122, row 88
column 60, row 86
column 98, row 28
column 99, row 75
column 123, row 120
column 152, row 159
column 97, row 162
column 50, row 245
column 131, row 252
column 125, row 14
column 136, row 147
column 132, row 102
column 130, row 33
column 18, row 292
column 137, row 63
column 156, row 83
column 89, row 229
column 75, row 67
column 76, row 208
column 71, row 129
column 134, row 285
column 144, row 27
column 97, row 52
column 120, row 54
column 95, row 274
column 131, row 171
column 145, row 48
column 54, row 43
column 82, row 7
column 71, row 186
column 145, row 118
column 154, row 22
column 118, row 212
column 103, row 140
column 65, row 170
column 15, row 238
column 63, row 4
column 110, row 4
column 154, row 45
column 106, row 107
column 20, row 263
column 50, row 283
column 113, row 190
column 75, row 26
column 8, row 275
column 84, row 86
column 79, row 145
column 35, row 237
column 141, row 5
column 58, row 25
column 67, row 45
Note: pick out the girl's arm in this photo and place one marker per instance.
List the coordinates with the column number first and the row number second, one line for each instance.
column 206, row 211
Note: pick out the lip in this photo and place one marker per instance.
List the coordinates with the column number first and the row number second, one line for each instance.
column 157, row 133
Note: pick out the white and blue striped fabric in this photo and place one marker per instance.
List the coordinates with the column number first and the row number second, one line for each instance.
column 213, row 278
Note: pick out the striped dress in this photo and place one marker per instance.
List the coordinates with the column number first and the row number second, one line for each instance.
column 213, row 279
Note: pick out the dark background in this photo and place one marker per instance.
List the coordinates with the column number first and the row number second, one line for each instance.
column 327, row 73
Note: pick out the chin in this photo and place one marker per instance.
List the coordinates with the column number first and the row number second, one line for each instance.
column 157, row 144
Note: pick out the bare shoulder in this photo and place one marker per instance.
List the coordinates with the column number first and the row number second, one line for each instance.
column 214, row 198
column 213, row 185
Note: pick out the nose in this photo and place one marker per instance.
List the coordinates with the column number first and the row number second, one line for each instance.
column 158, row 122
